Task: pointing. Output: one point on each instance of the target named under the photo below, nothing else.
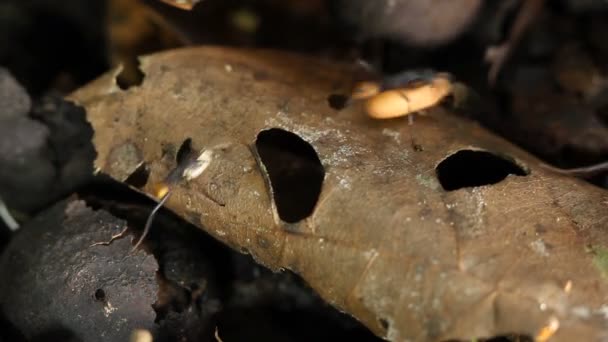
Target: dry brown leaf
(183, 4)
(385, 242)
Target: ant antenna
(150, 219)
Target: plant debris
(436, 230)
(385, 242)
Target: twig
(6, 216)
(498, 55)
(112, 238)
(584, 172)
(217, 335)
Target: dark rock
(190, 291)
(70, 140)
(14, 100)
(45, 157)
(56, 285)
(415, 22)
(26, 173)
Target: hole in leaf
(295, 172)
(383, 323)
(130, 75)
(337, 101)
(184, 151)
(468, 168)
(100, 295)
(500, 338)
(139, 177)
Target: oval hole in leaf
(130, 75)
(295, 172)
(184, 151)
(383, 323)
(337, 101)
(500, 338)
(468, 168)
(100, 295)
(139, 177)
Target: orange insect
(403, 94)
(547, 331)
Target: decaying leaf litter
(548, 98)
(385, 242)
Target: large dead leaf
(385, 242)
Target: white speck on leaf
(108, 309)
(539, 247)
(581, 311)
(392, 134)
(344, 183)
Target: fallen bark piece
(429, 232)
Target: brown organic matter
(385, 242)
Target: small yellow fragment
(141, 335)
(548, 330)
(160, 190)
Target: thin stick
(150, 219)
(6, 216)
(585, 171)
(498, 55)
(217, 335)
(112, 238)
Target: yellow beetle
(403, 94)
